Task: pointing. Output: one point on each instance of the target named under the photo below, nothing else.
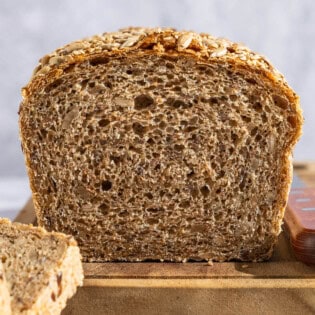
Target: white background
(284, 31)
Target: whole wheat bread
(5, 302)
(42, 269)
(158, 144)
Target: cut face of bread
(5, 302)
(156, 144)
(42, 269)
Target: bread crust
(137, 42)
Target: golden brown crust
(159, 41)
(203, 47)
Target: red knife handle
(299, 223)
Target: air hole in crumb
(170, 130)
(257, 107)
(162, 193)
(115, 159)
(106, 185)
(234, 137)
(152, 221)
(157, 167)
(99, 60)
(177, 89)
(143, 101)
(245, 118)
(194, 120)
(149, 195)
(150, 141)
(179, 147)
(82, 150)
(264, 117)
(155, 210)
(220, 174)
(53, 85)
(190, 128)
(169, 65)
(233, 97)
(213, 100)
(177, 103)
(254, 131)
(191, 173)
(162, 124)
(251, 81)
(243, 183)
(104, 208)
(69, 68)
(43, 133)
(184, 204)
(123, 213)
(233, 123)
(108, 84)
(218, 216)
(103, 122)
(158, 79)
(139, 128)
(205, 190)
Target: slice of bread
(158, 144)
(5, 301)
(42, 269)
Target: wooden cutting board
(281, 286)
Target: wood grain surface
(281, 286)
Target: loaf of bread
(5, 301)
(42, 269)
(154, 144)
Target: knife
(299, 220)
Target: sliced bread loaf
(5, 301)
(158, 144)
(42, 269)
